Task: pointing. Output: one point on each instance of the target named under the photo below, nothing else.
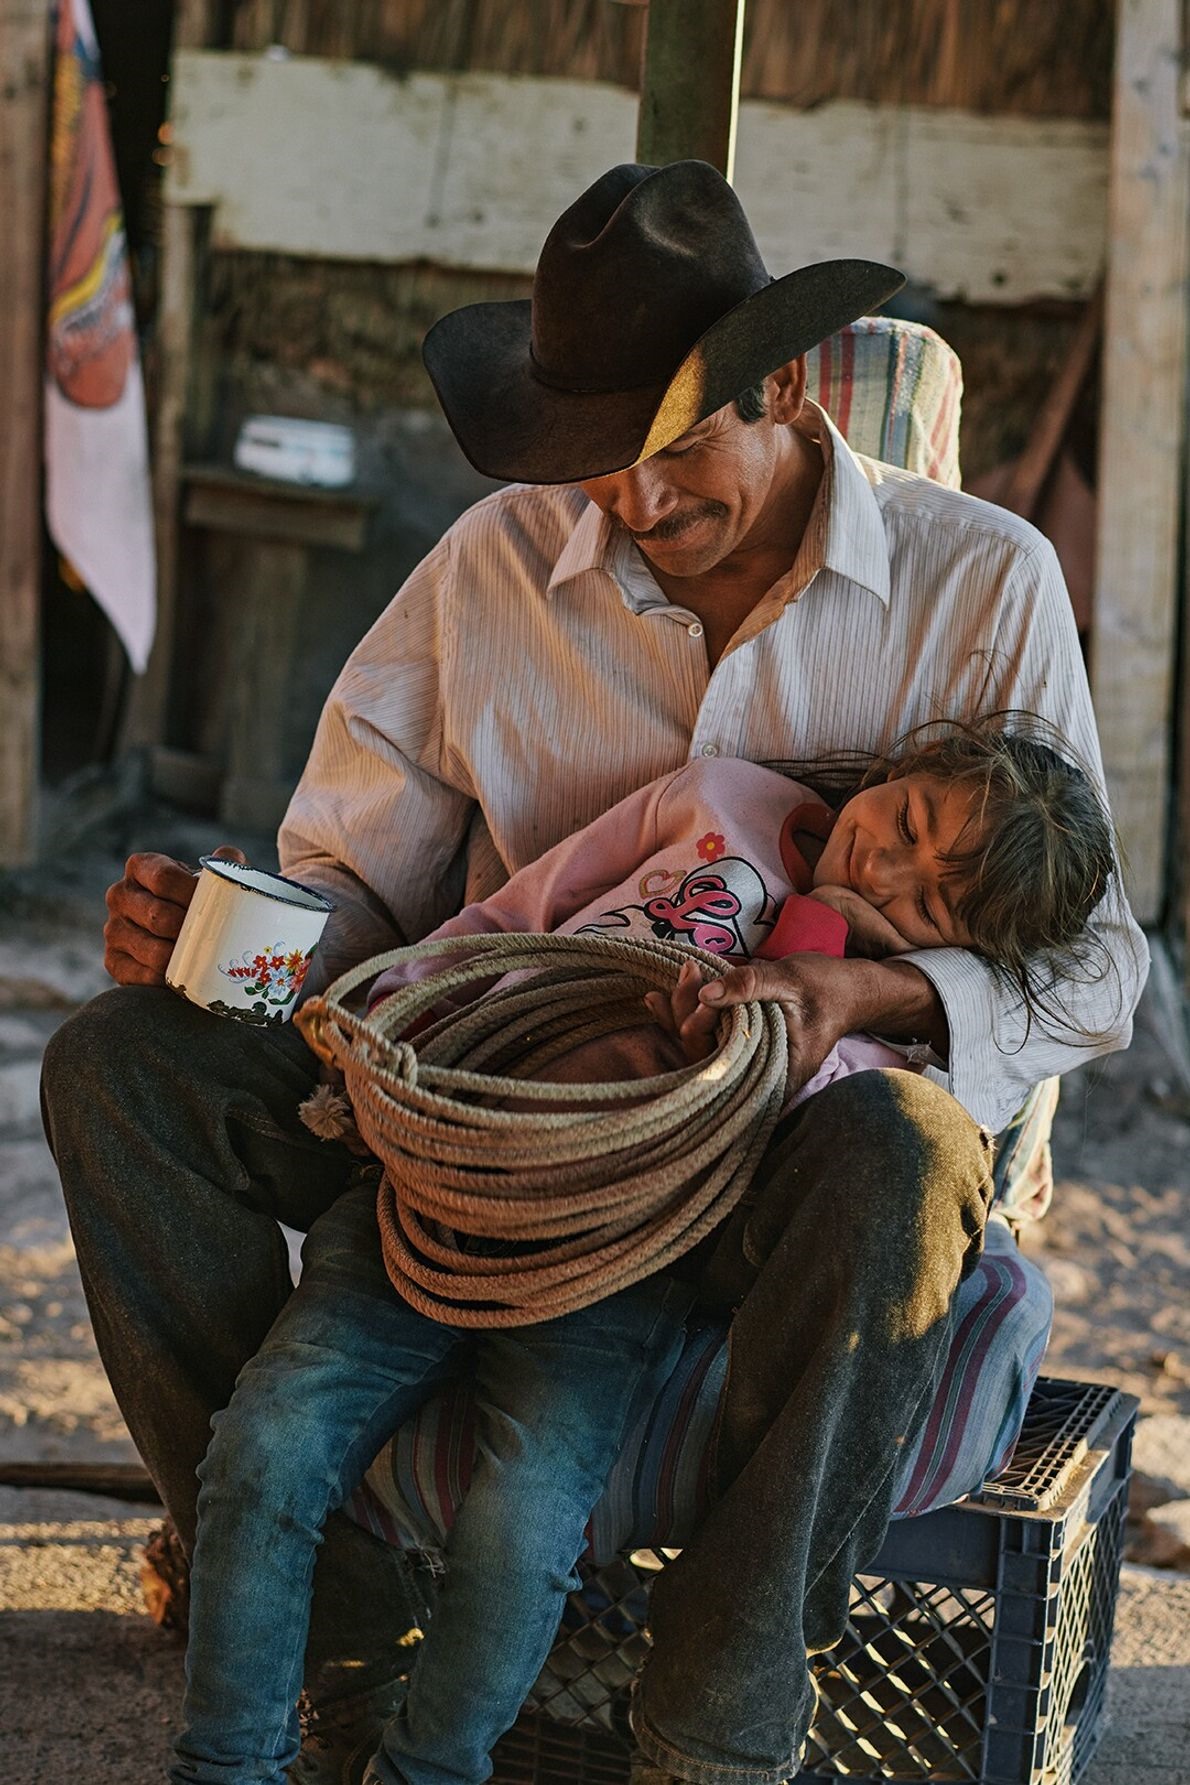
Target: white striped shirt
(531, 673)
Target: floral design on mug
(271, 973)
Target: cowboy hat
(651, 309)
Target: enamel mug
(246, 942)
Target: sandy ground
(1116, 1247)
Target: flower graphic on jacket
(711, 847)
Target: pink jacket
(707, 856)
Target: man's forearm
(895, 999)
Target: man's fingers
(126, 970)
(684, 997)
(698, 1032)
(161, 875)
(661, 1010)
(227, 852)
(129, 903)
(126, 939)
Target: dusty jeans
(178, 1142)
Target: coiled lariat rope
(597, 1197)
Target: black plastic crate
(976, 1647)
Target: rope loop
(493, 1215)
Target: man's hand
(871, 935)
(145, 913)
(821, 1000)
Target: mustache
(676, 524)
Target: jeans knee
(265, 1459)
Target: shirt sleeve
(379, 819)
(997, 1053)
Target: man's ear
(787, 391)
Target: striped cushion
(894, 390)
(660, 1486)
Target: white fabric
(98, 497)
(531, 673)
(99, 510)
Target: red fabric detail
(842, 410)
(819, 821)
(804, 926)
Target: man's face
(712, 493)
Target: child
(973, 838)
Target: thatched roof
(1031, 57)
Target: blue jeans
(346, 1361)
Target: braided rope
(599, 1196)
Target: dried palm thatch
(1021, 56)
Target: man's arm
(823, 1000)
(379, 819)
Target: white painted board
(343, 160)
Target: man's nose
(640, 497)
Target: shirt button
(695, 630)
(708, 750)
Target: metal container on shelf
(297, 451)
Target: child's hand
(872, 936)
(692, 1024)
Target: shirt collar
(588, 547)
(856, 546)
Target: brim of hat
(512, 426)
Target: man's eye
(927, 914)
(677, 449)
(903, 821)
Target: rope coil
(599, 1184)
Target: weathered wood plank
(145, 718)
(24, 112)
(346, 161)
(1141, 437)
(690, 87)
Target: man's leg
(345, 1362)
(179, 1146)
(868, 1208)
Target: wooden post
(690, 86)
(1140, 453)
(183, 232)
(24, 158)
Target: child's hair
(1034, 857)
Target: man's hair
(751, 404)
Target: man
(695, 563)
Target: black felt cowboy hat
(651, 309)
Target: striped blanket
(660, 1486)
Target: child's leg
(345, 1362)
(555, 1402)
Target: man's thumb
(736, 984)
(227, 852)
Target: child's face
(887, 845)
